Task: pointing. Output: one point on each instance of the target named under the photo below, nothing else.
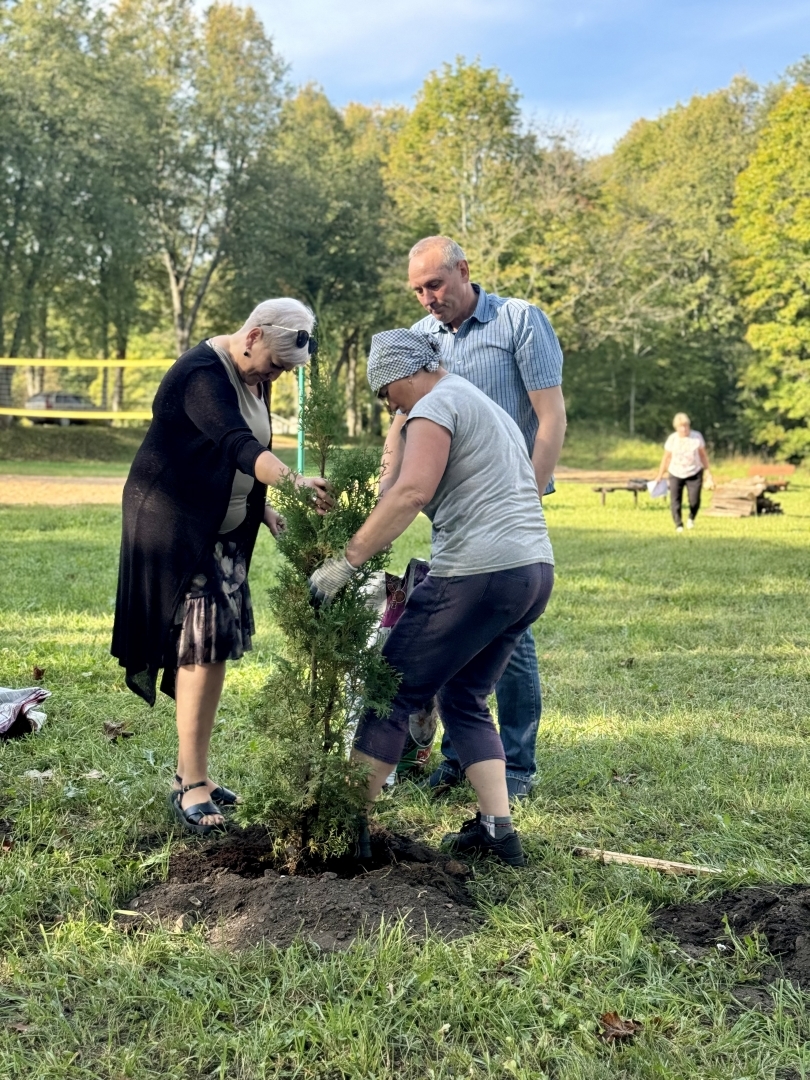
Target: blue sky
(596, 64)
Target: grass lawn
(708, 728)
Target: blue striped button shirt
(505, 348)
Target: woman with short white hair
(193, 504)
(687, 465)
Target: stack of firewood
(744, 498)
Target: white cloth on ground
(14, 702)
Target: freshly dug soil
(234, 887)
(780, 913)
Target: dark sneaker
(473, 839)
(518, 789)
(443, 779)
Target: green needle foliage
(327, 672)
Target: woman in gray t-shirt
(464, 463)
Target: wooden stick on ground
(666, 866)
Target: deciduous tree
(773, 224)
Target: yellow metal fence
(88, 388)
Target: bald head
(439, 275)
(442, 247)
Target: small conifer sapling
(327, 668)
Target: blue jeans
(520, 705)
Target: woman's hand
(321, 492)
(274, 521)
(327, 581)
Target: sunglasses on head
(302, 337)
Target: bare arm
(549, 405)
(422, 466)
(270, 470)
(664, 466)
(392, 453)
(704, 457)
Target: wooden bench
(780, 472)
(630, 485)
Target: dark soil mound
(233, 885)
(780, 913)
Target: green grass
(99, 450)
(100, 468)
(712, 717)
(588, 447)
(82, 442)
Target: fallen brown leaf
(614, 1028)
(628, 662)
(19, 1026)
(629, 778)
(116, 729)
(37, 673)
(6, 845)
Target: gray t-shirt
(486, 512)
(254, 410)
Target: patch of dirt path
(233, 887)
(70, 490)
(780, 913)
(60, 490)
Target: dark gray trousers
(454, 639)
(693, 485)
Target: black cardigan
(175, 499)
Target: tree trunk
(6, 375)
(34, 380)
(35, 376)
(376, 417)
(632, 423)
(351, 391)
(105, 337)
(118, 377)
(118, 390)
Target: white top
(257, 418)
(486, 512)
(685, 457)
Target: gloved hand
(327, 581)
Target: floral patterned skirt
(215, 620)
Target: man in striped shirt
(507, 348)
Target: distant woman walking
(685, 461)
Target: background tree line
(159, 176)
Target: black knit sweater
(175, 499)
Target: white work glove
(327, 581)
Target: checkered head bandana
(396, 354)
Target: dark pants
(693, 484)
(454, 640)
(520, 705)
